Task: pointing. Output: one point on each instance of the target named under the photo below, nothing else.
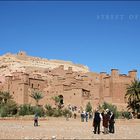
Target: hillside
(23, 63)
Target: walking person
(86, 116)
(36, 120)
(82, 116)
(75, 115)
(90, 115)
(111, 123)
(96, 121)
(67, 117)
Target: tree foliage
(49, 110)
(25, 109)
(57, 100)
(4, 97)
(111, 107)
(37, 95)
(8, 107)
(133, 96)
(88, 107)
(57, 112)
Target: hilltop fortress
(21, 74)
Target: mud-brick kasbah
(21, 74)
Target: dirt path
(62, 129)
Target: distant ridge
(21, 62)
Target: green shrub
(4, 111)
(125, 114)
(26, 109)
(111, 107)
(12, 107)
(66, 112)
(49, 110)
(39, 110)
(88, 107)
(57, 112)
(8, 109)
(48, 107)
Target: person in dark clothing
(82, 116)
(36, 120)
(90, 115)
(74, 115)
(86, 116)
(96, 122)
(106, 119)
(111, 123)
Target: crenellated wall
(21, 77)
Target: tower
(8, 80)
(23, 89)
(114, 73)
(133, 74)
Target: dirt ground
(63, 129)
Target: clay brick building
(22, 74)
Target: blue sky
(101, 35)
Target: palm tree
(133, 96)
(37, 95)
(58, 100)
(5, 97)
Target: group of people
(72, 108)
(84, 116)
(107, 118)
